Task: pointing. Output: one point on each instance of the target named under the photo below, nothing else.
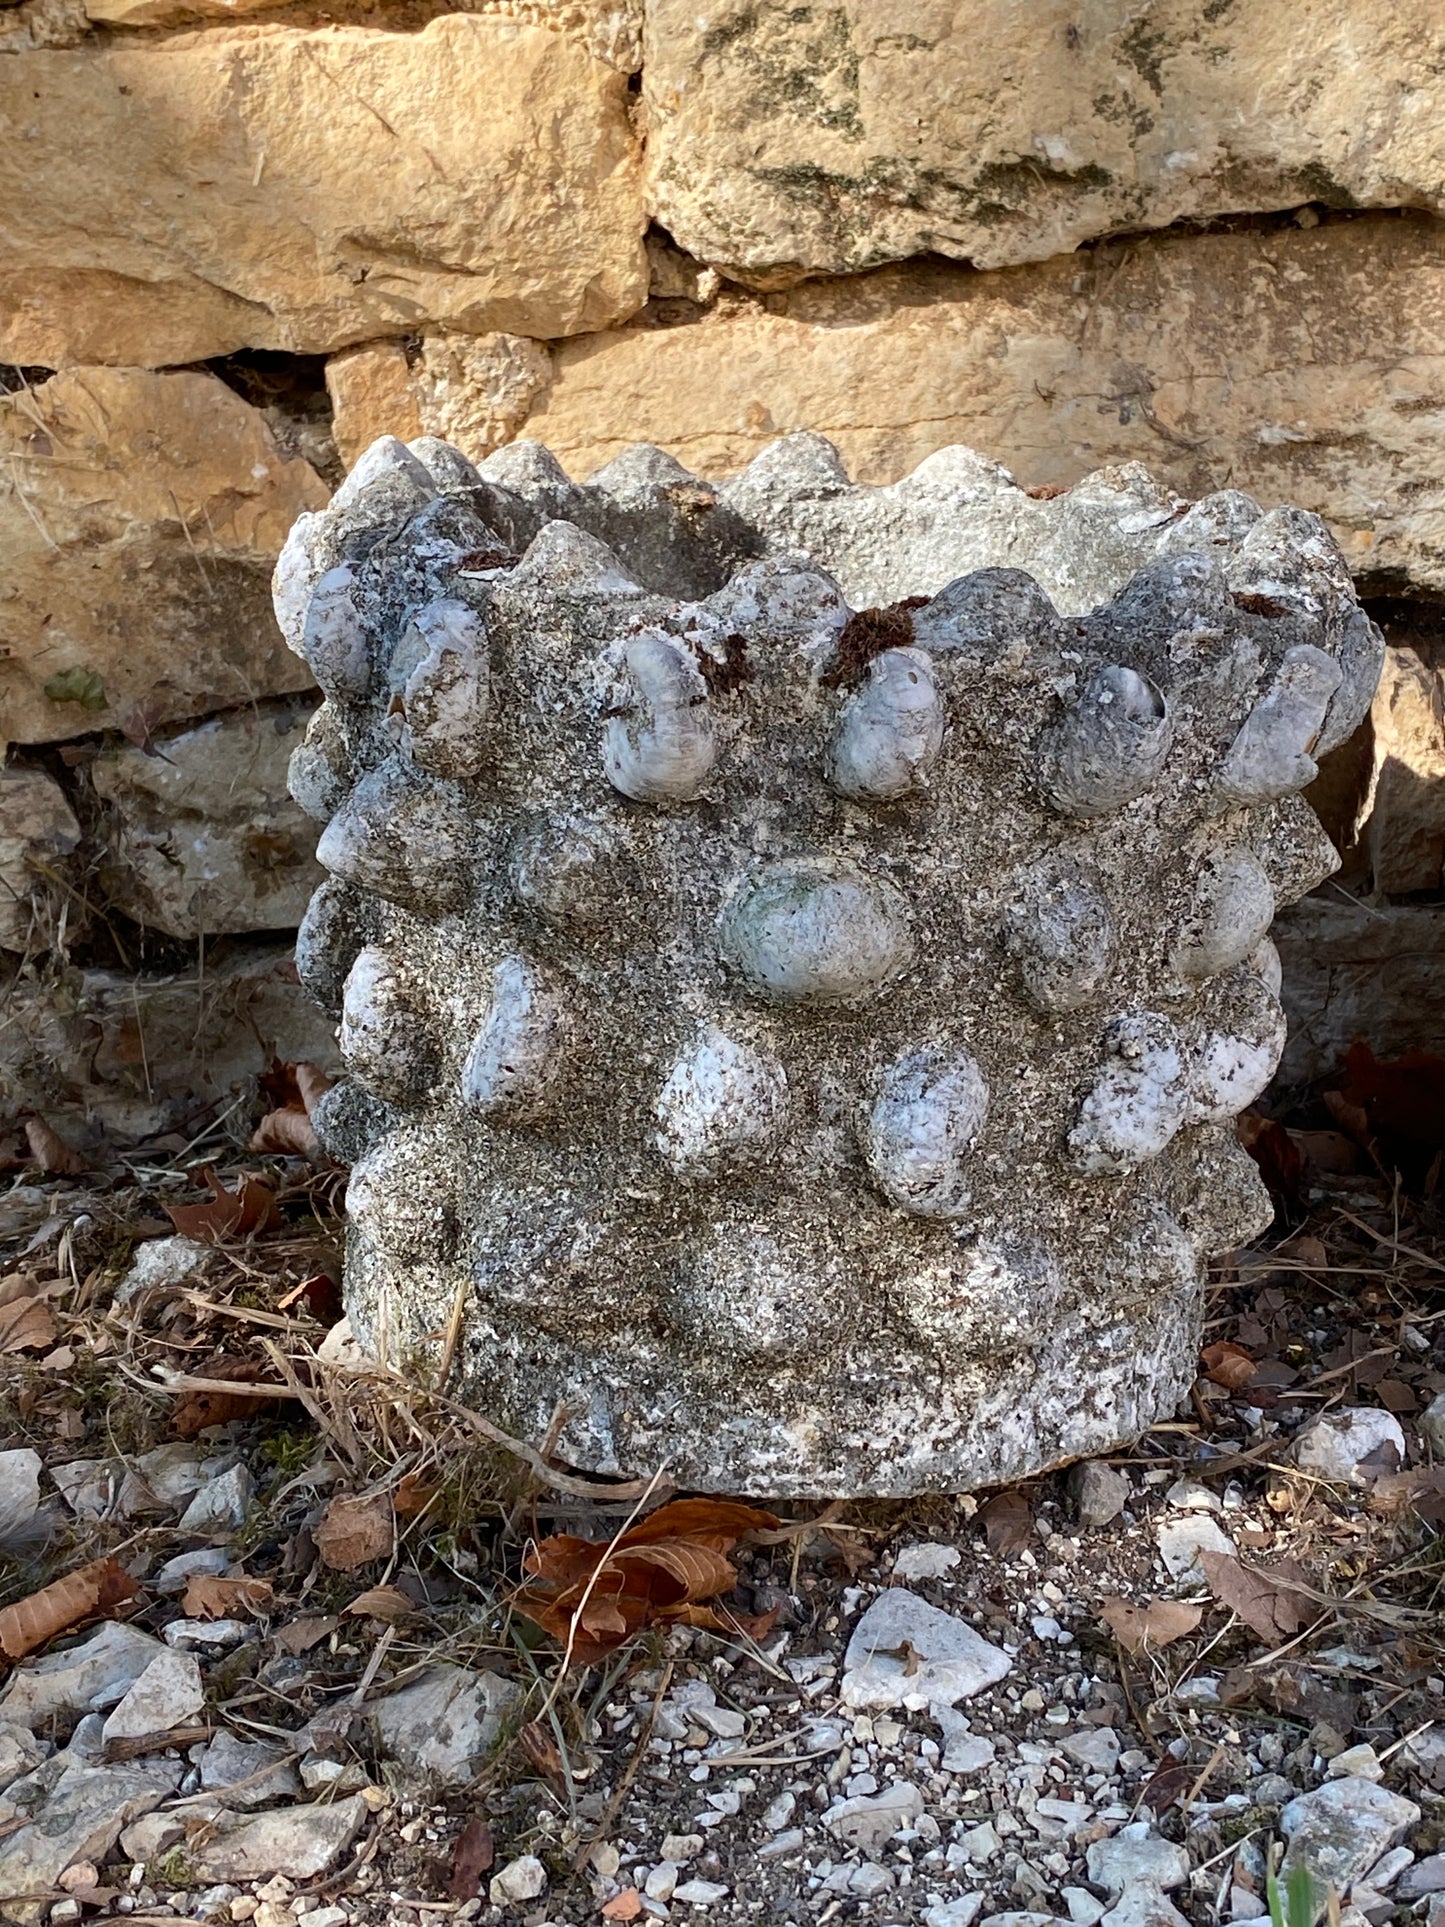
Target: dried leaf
(27, 1325)
(471, 1858)
(539, 1750)
(210, 1596)
(300, 1635)
(387, 1603)
(1169, 1781)
(241, 1213)
(1267, 1601)
(1148, 1628)
(353, 1532)
(198, 1410)
(593, 1595)
(1008, 1522)
(1227, 1364)
(412, 1496)
(51, 1152)
(1278, 1156)
(1403, 1098)
(320, 1294)
(286, 1129)
(286, 1133)
(97, 1588)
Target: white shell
(402, 837)
(387, 457)
(334, 639)
(299, 567)
(1231, 915)
(658, 744)
(930, 1107)
(1110, 746)
(318, 775)
(1271, 756)
(724, 1103)
(446, 696)
(817, 930)
(384, 1039)
(1057, 927)
(520, 1050)
(1230, 1066)
(1137, 1103)
(891, 731)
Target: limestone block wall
(239, 239)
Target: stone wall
(241, 239)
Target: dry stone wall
(243, 239)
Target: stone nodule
(811, 1040)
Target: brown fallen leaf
(298, 1636)
(1169, 1781)
(320, 1294)
(27, 1325)
(471, 1858)
(51, 1152)
(412, 1496)
(241, 1213)
(83, 1594)
(540, 1751)
(1008, 1522)
(352, 1532)
(592, 1595)
(1267, 1601)
(388, 1603)
(1227, 1364)
(197, 1410)
(286, 1129)
(1278, 1156)
(1148, 1628)
(212, 1596)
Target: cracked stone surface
(801, 949)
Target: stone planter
(800, 949)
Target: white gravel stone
(700, 1893)
(1425, 1877)
(962, 1912)
(1099, 1492)
(869, 1822)
(1335, 1445)
(661, 1882)
(165, 1262)
(683, 1847)
(1134, 1857)
(1144, 1907)
(521, 1879)
(928, 1560)
(1084, 1908)
(1355, 1763)
(19, 1493)
(1188, 1495)
(228, 1761)
(1181, 1540)
(1340, 1829)
(168, 1694)
(1096, 1749)
(300, 1842)
(221, 1504)
(902, 1647)
(94, 1675)
(444, 1724)
(1431, 1425)
(175, 1574)
(80, 1820)
(208, 1635)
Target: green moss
(77, 685)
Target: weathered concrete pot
(808, 1042)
